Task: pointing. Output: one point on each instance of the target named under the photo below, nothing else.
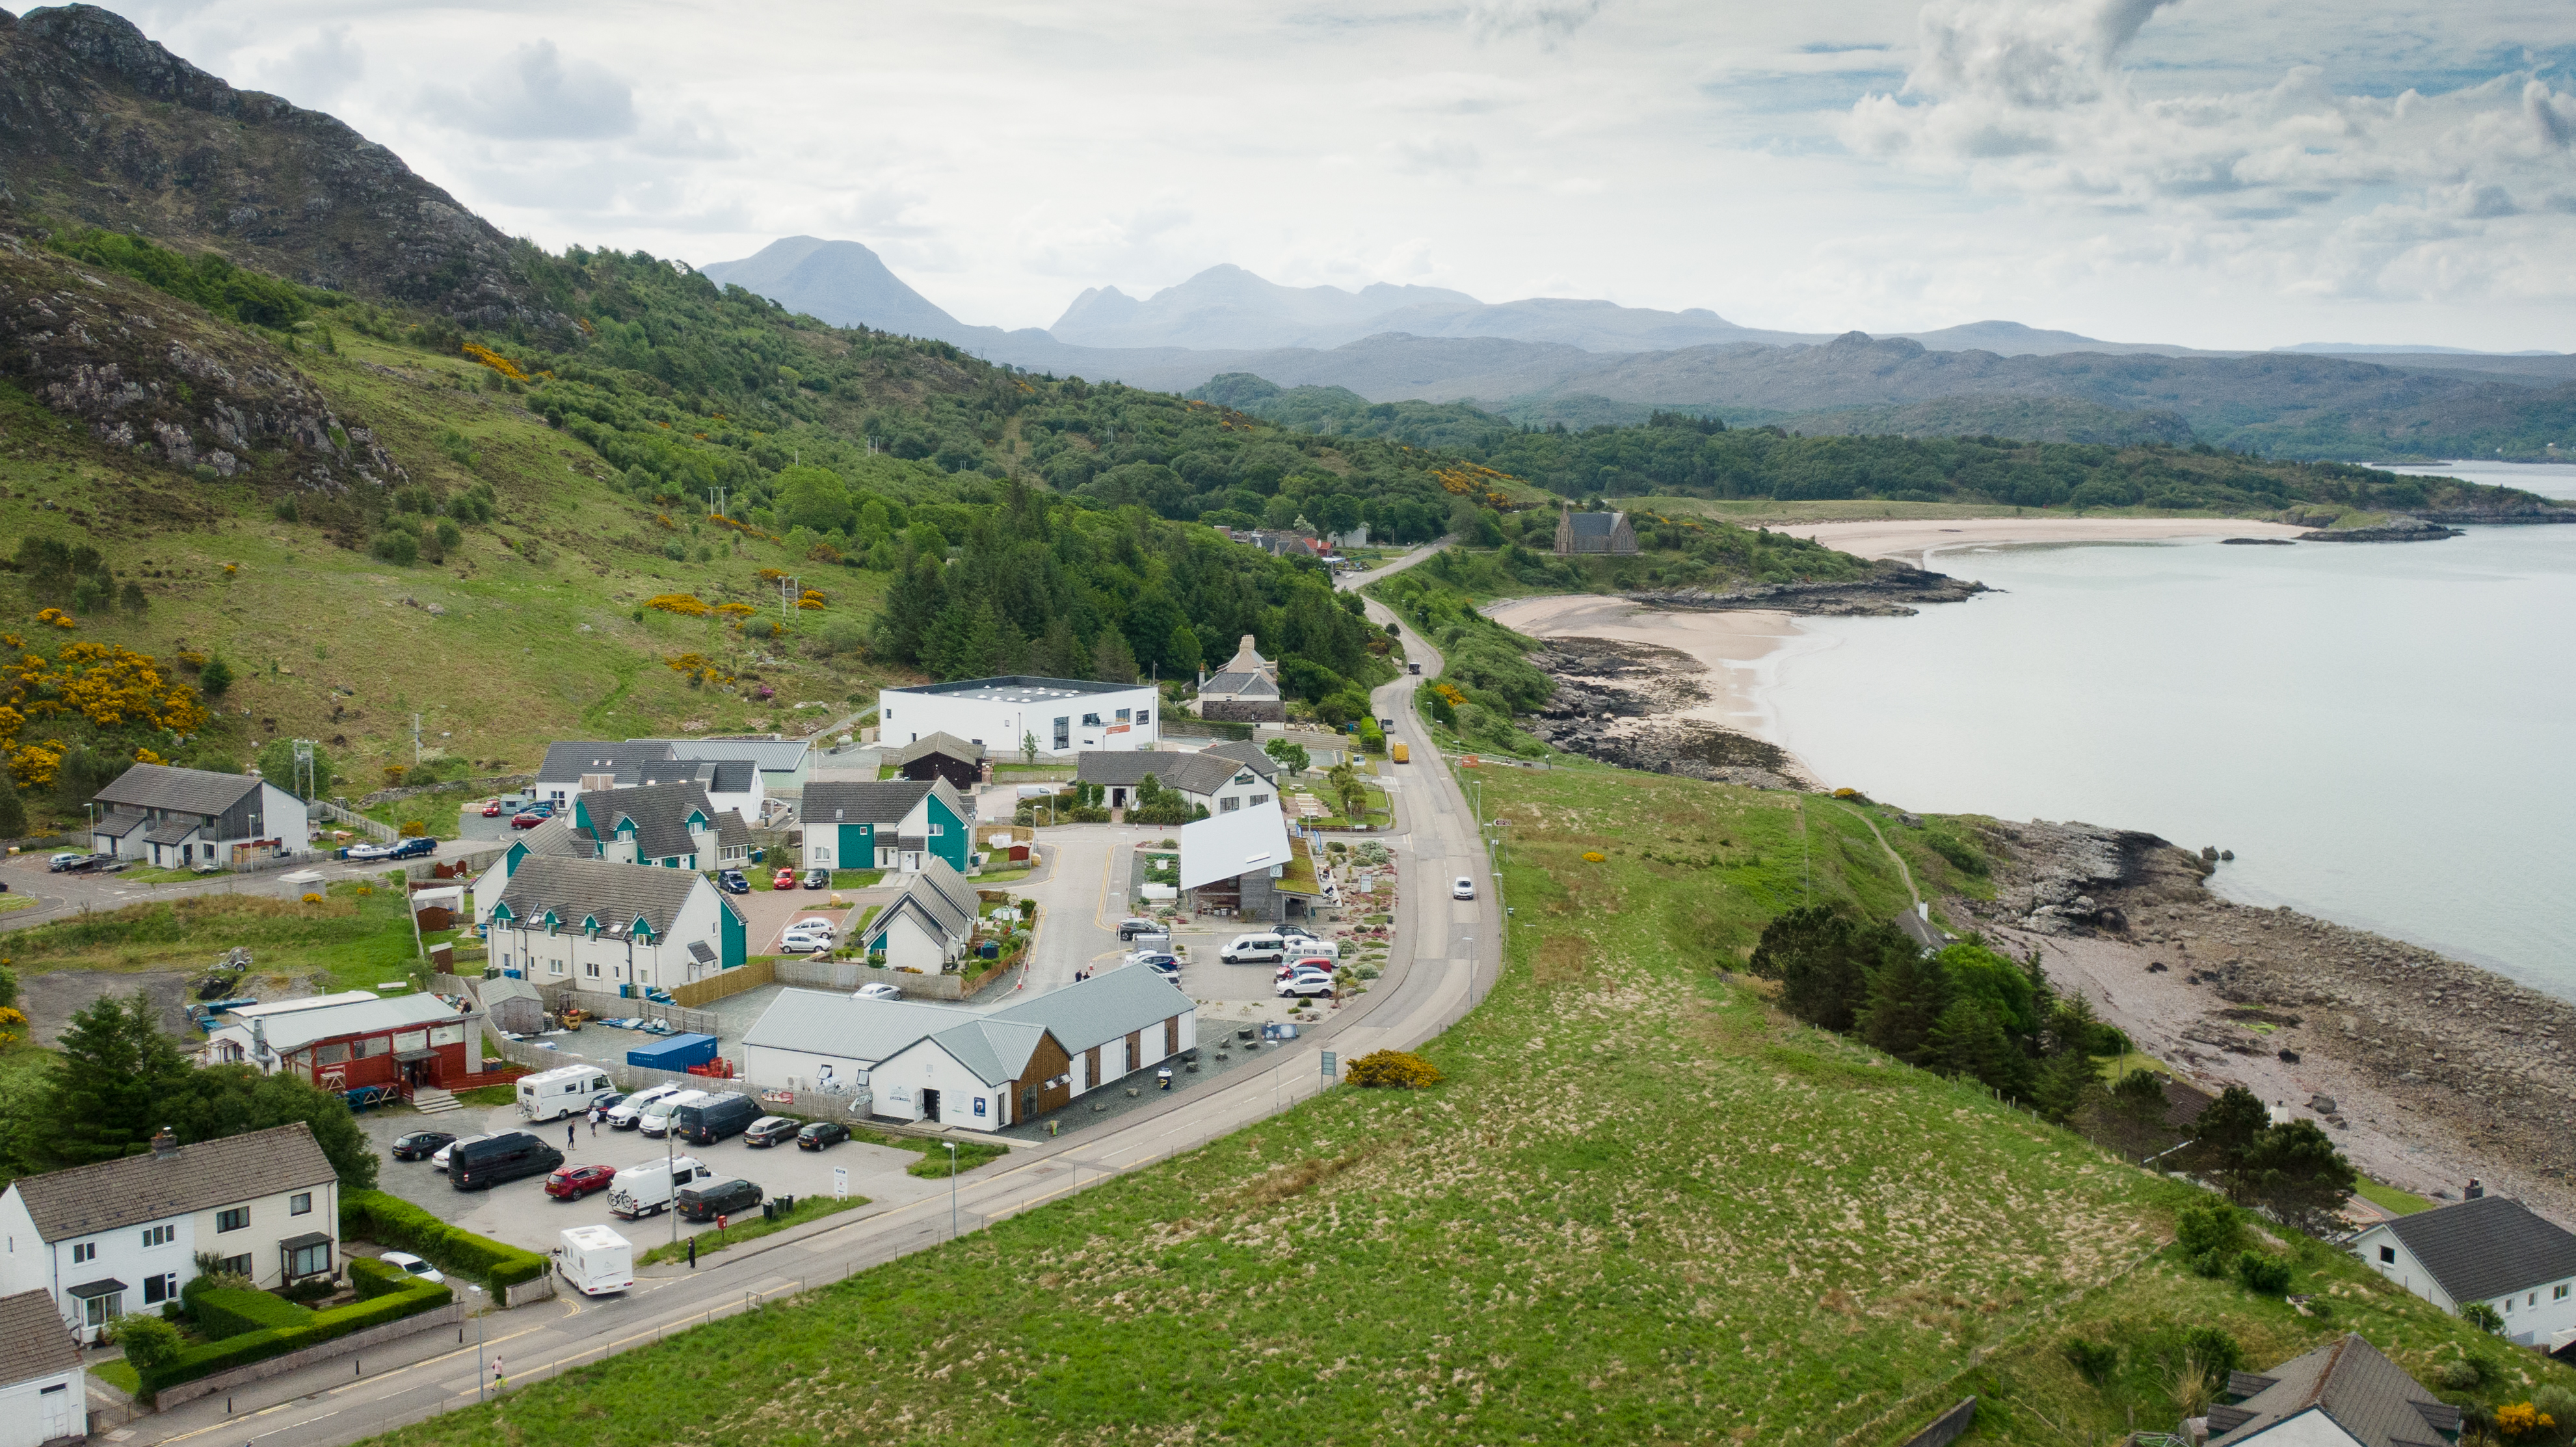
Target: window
(2388, 1253)
(446, 1034)
(164, 1287)
(313, 1260)
(331, 1054)
(590, 968)
(411, 1039)
(937, 829)
(555, 967)
(2558, 1293)
(300, 1204)
(100, 1310)
(1123, 714)
(1257, 800)
(159, 1236)
(361, 1049)
(1228, 805)
(84, 1251)
(1091, 720)
(237, 1265)
(235, 1219)
(1063, 734)
(1143, 718)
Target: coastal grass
(807, 1208)
(1643, 1206)
(2389, 1198)
(357, 935)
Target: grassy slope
(358, 940)
(1641, 1209)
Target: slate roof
(1238, 685)
(181, 791)
(2482, 1249)
(933, 902)
(86, 1200)
(557, 837)
(567, 762)
(293, 1024)
(1594, 524)
(614, 894)
(2367, 1395)
(659, 812)
(116, 825)
(1243, 751)
(770, 755)
(32, 1340)
(882, 801)
(172, 831)
(1108, 1006)
(1199, 773)
(947, 745)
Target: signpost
(840, 1183)
(1331, 1064)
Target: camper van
(656, 1119)
(595, 1260)
(647, 1189)
(554, 1094)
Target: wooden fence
(748, 976)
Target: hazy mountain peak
(841, 282)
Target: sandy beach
(1916, 540)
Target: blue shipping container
(678, 1052)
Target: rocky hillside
(101, 126)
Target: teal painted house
(893, 824)
(556, 919)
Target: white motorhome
(648, 1189)
(554, 1094)
(595, 1260)
(656, 1119)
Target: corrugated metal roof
(815, 1022)
(182, 791)
(2482, 1249)
(86, 1200)
(772, 755)
(293, 1024)
(1227, 845)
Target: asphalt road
(1445, 957)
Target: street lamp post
(952, 1188)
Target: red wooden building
(346, 1041)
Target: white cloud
(536, 95)
(319, 70)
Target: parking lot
(522, 1214)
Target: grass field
(357, 935)
(807, 1208)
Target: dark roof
(1594, 524)
(772, 754)
(614, 894)
(1126, 768)
(172, 831)
(945, 744)
(2486, 1248)
(1239, 685)
(940, 896)
(1245, 752)
(115, 824)
(2363, 1392)
(228, 1170)
(716, 776)
(658, 812)
(2184, 1102)
(33, 1341)
(883, 801)
(182, 791)
(557, 837)
(567, 762)
(1926, 935)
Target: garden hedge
(207, 1358)
(392, 1221)
(230, 1311)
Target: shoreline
(1918, 539)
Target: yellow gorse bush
(687, 605)
(495, 361)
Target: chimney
(2476, 1189)
(165, 1144)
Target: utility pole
(952, 1188)
(415, 741)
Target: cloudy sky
(2192, 171)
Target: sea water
(2381, 732)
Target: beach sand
(1741, 652)
(1916, 539)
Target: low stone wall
(541, 1288)
(354, 1342)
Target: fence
(381, 833)
(619, 1007)
(743, 977)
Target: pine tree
(1966, 1040)
(1058, 654)
(1112, 661)
(1907, 994)
(116, 1079)
(1181, 657)
(13, 815)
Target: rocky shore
(2428, 1071)
(1615, 701)
(1891, 591)
(2398, 529)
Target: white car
(626, 1113)
(410, 1265)
(877, 991)
(1308, 983)
(440, 1160)
(804, 939)
(1465, 888)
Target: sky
(2196, 172)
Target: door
(930, 1105)
(56, 1410)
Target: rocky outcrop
(2398, 529)
(2070, 877)
(1614, 702)
(1891, 591)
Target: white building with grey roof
(1218, 782)
(574, 768)
(1063, 715)
(1246, 690)
(929, 924)
(597, 924)
(174, 818)
(2343, 1394)
(44, 1386)
(2490, 1249)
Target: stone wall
(1242, 710)
(356, 1341)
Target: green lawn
(118, 1374)
(857, 878)
(1643, 1208)
(2391, 1199)
(358, 934)
(807, 1208)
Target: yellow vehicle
(1396, 751)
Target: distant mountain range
(1547, 360)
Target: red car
(529, 820)
(574, 1182)
(492, 809)
(785, 879)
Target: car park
(705, 1122)
(705, 1201)
(820, 1134)
(818, 879)
(878, 991)
(648, 1189)
(1258, 949)
(420, 1144)
(769, 1130)
(783, 879)
(1464, 888)
(410, 1265)
(629, 1113)
(447, 1152)
(732, 882)
(806, 936)
(574, 1182)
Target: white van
(595, 1260)
(1310, 948)
(649, 1188)
(1256, 950)
(554, 1094)
(656, 1119)
(627, 1113)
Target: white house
(174, 817)
(1244, 865)
(123, 1235)
(2487, 1248)
(573, 769)
(784, 763)
(2343, 1394)
(596, 924)
(44, 1389)
(927, 925)
(674, 826)
(1063, 714)
(956, 1066)
(1219, 782)
(897, 824)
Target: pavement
(1444, 959)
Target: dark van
(707, 1200)
(481, 1165)
(710, 1121)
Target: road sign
(1331, 1062)
(840, 1183)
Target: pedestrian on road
(572, 1132)
(594, 1125)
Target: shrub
(2216, 1351)
(398, 547)
(311, 1288)
(2262, 1274)
(2212, 1264)
(2459, 1374)
(230, 1311)
(214, 678)
(148, 1340)
(2482, 1316)
(1393, 1067)
(207, 1358)
(2522, 1419)
(1962, 855)
(2092, 1360)
(2202, 1229)
(391, 1221)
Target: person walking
(693, 1253)
(572, 1133)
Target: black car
(413, 848)
(420, 1145)
(820, 1134)
(769, 1130)
(481, 1165)
(607, 1103)
(707, 1200)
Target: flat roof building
(1061, 715)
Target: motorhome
(570, 1090)
(595, 1260)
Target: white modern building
(595, 924)
(174, 818)
(1064, 715)
(44, 1389)
(927, 925)
(2488, 1248)
(120, 1236)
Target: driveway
(766, 913)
